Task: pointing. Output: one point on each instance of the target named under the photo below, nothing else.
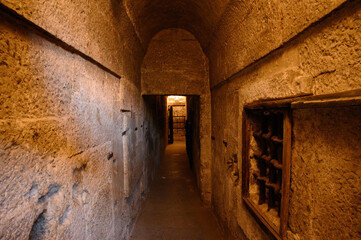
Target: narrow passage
(173, 209)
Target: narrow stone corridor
(173, 208)
(266, 94)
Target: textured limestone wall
(99, 29)
(327, 157)
(175, 65)
(232, 33)
(250, 30)
(324, 202)
(66, 170)
(200, 17)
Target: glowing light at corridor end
(176, 99)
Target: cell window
(266, 166)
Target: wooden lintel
(337, 102)
(347, 98)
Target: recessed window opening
(266, 166)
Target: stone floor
(173, 209)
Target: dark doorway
(177, 116)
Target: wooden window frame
(287, 131)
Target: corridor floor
(173, 209)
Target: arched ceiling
(200, 17)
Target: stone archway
(176, 65)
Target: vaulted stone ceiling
(200, 17)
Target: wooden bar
(245, 154)
(287, 138)
(271, 227)
(274, 152)
(273, 155)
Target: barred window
(266, 166)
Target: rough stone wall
(325, 58)
(327, 157)
(175, 65)
(61, 117)
(199, 17)
(99, 29)
(249, 30)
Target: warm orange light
(176, 99)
